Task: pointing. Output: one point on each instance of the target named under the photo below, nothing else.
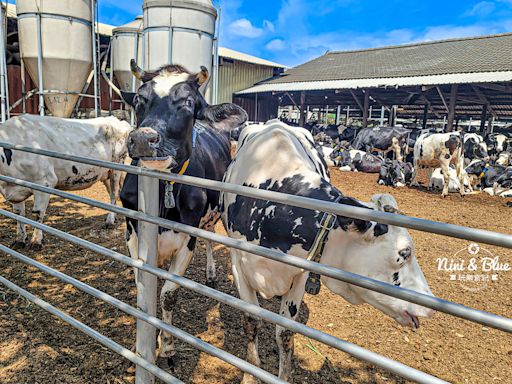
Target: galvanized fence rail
(147, 322)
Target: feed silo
(126, 45)
(178, 32)
(60, 32)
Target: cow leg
(41, 201)
(251, 324)
(112, 185)
(168, 298)
(460, 174)
(445, 167)
(414, 178)
(290, 305)
(211, 270)
(430, 171)
(21, 229)
(132, 243)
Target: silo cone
(66, 48)
(179, 32)
(126, 45)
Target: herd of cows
(178, 131)
(455, 159)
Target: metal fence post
(146, 282)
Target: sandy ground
(35, 347)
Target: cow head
(167, 105)
(394, 173)
(503, 182)
(476, 150)
(381, 252)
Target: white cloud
(451, 31)
(243, 27)
(276, 45)
(481, 9)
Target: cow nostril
(153, 139)
(405, 253)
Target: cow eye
(189, 102)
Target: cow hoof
(35, 247)
(109, 226)
(213, 283)
(167, 363)
(16, 244)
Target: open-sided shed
(467, 78)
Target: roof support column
(483, 117)
(392, 116)
(302, 119)
(348, 115)
(451, 107)
(425, 116)
(338, 115)
(366, 105)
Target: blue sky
(294, 31)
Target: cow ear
(224, 117)
(202, 76)
(385, 203)
(128, 98)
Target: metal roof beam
(442, 98)
(484, 99)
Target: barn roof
(463, 60)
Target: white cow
(434, 150)
(101, 138)
(437, 181)
(282, 158)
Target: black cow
(395, 173)
(178, 131)
(484, 174)
(504, 182)
(382, 139)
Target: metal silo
(178, 32)
(58, 31)
(126, 45)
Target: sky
(292, 32)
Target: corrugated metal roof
(477, 54)
(456, 78)
(103, 29)
(235, 55)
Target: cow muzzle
(143, 143)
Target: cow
(497, 143)
(474, 148)
(483, 174)
(382, 139)
(503, 184)
(395, 173)
(178, 132)
(280, 158)
(437, 181)
(103, 138)
(433, 150)
(353, 160)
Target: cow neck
(484, 171)
(315, 253)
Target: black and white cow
(395, 173)
(280, 158)
(382, 139)
(178, 131)
(475, 148)
(483, 175)
(433, 150)
(497, 143)
(503, 184)
(102, 138)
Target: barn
(446, 81)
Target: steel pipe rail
(176, 332)
(356, 351)
(458, 310)
(466, 233)
(102, 339)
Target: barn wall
(236, 75)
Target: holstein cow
(178, 131)
(395, 173)
(497, 143)
(503, 184)
(280, 158)
(474, 148)
(353, 160)
(483, 174)
(101, 138)
(382, 139)
(437, 181)
(439, 150)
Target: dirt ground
(35, 347)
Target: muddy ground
(35, 347)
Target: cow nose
(143, 142)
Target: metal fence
(147, 322)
